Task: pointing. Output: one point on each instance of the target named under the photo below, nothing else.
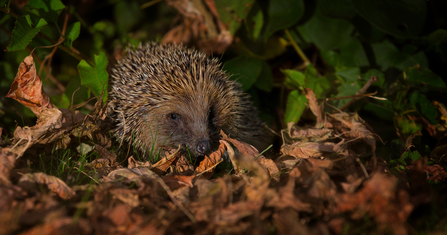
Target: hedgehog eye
(173, 116)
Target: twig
(148, 4)
(297, 48)
(347, 97)
(72, 51)
(371, 80)
(363, 167)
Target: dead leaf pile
(317, 186)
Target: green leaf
(407, 60)
(404, 18)
(318, 84)
(332, 58)
(24, 31)
(424, 76)
(95, 78)
(424, 106)
(411, 156)
(48, 9)
(353, 54)
(283, 14)
(439, 39)
(342, 9)
(347, 89)
(233, 12)
(327, 33)
(244, 70)
(72, 33)
(349, 74)
(4, 5)
(258, 22)
(380, 111)
(408, 127)
(127, 14)
(265, 79)
(295, 107)
(294, 79)
(386, 54)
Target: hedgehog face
(192, 126)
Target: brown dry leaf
(232, 156)
(309, 134)
(62, 226)
(353, 127)
(45, 131)
(312, 149)
(286, 198)
(313, 105)
(251, 151)
(312, 176)
(104, 153)
(435, 172)
(29, 181)
(183, 166)
(132, 163)
(380, 199)
(244, 148)
(161, 166)
(287, 162)
(259, 178)
(287, 222)
(128, 196)
(271, 167)
(239, 210)
(133, 174)
(27, 88)
(209, 163)
(7, 161)
(201, 24)
(178, 181)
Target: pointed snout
(204, 147)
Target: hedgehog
(171, 96)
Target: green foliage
(95, 77)
(72, 33)
(295, 106)
(24, 32)
(244, 70)
(47, 9)
(283, 14)
(233, 12)
(403, 18)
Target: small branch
(371, 80)
(72, 51)
(297, 48)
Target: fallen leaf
(7, 162)
(201, 24)
(55, 184)
(178, 181)
(208, 164)
(27, 88)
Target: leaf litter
(317, 185)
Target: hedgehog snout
(204, 146)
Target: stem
(371, 80)
(297, 48)
(70, 51)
